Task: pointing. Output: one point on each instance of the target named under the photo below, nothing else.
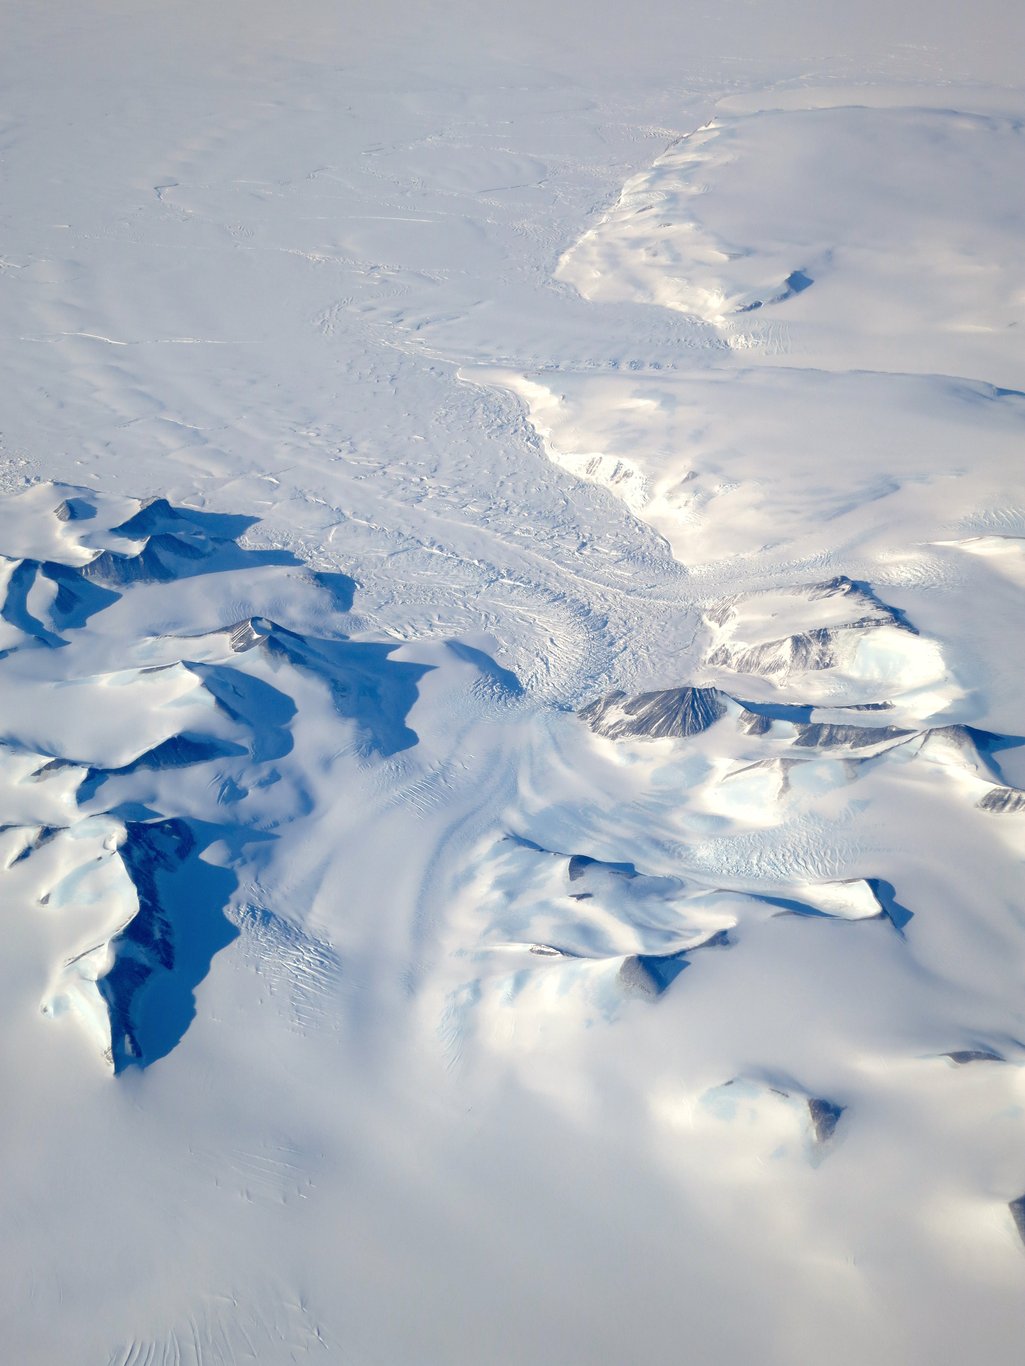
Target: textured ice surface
(383, 390)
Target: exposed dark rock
(825, 1115)
(649, 974)
(74, 510)
(579, 864)
(818, 648)
(1003, 800)
(821, 735)
(244, 635)
(810, 650)
(672, 714)
(1017, 1208)
(753, 723)
(842, 586)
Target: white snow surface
(512, 797)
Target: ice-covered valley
(512, 750)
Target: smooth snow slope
(512, 543)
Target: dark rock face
(810, 650)
(673, 714)
(244, 635)
(1003, 800)
(821, 647)
(825, 1115)
(1017, 1208)
(649, 975)
(824, 736)
(754, 723)
(858, 589)
(74, 510)
(795, 283)
(966, 1055)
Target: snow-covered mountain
(512, 753)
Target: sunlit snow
(512, 752)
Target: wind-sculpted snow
(529, 801)
(730, 854)
(105, 761)
(722, 467)
(852, 649)
(582, 935)
(133, 990)
(712, 229)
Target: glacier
(512, 752)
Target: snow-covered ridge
(834, 223)
(115, 782)
(699, 761)
(611, 904)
